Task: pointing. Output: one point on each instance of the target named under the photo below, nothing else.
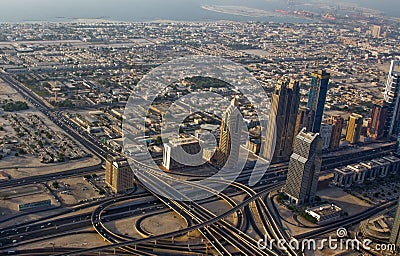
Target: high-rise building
(337, 123)
(398, 145)
(376, 126)
(376, 31)
(229, 141)
(317, 98)
(395, 234)
(284, 104)
(354, 128)
(304, 168)
(175, 151)
(119, 175)
(302, 120)
(326, 133)
(392, 98)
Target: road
(215, 229)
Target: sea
(150, 10)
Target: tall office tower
(317, 98)
(337, 123)
(354, 128)
(376, 126)
(391, 100)
(119, 175)
(376, 31)
(395, 234)
(326, 133)
(229, 141)
(302, 119)
(285, 104)
(398, 145)
(304, 168)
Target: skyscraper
(354, 128)
(285, 104)
(337, 123)
(317, 98)
(376, 126)
(395, 234)
(376, 31)
(304, 168)
(391, 99)
(229, 141)
(302, 120)
(326, 133)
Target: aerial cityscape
(200, 128)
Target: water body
(149, 10)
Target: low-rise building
(343, 177)
(325, 213)
(359, 171)
(372, 168)
(394, 164)
(383, 168)
(176, 151)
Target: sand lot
(163, 223)
(25, 166)
(8, 92)
(85, 240)
(349, 203)
(12, 197)
(75, 190)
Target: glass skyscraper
(392, 99)
(317, 98)
(304, 167)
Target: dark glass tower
(285, 105)
(317, 98)
(304, 168)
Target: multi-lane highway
(224, 237)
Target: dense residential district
(68, 186)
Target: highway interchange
(224, 237)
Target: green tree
(55, 184)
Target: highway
(214, 228)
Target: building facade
(119, 175)
(302, 119)
(346, 176)
(391, 100)
(326, 133)
(317, 98)
(325, 213)
(337, 123)
(175, 153)
(376, 126)
(284, 105)
(230, 134)
(343, 177)
(304, 168)
(354, 128)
